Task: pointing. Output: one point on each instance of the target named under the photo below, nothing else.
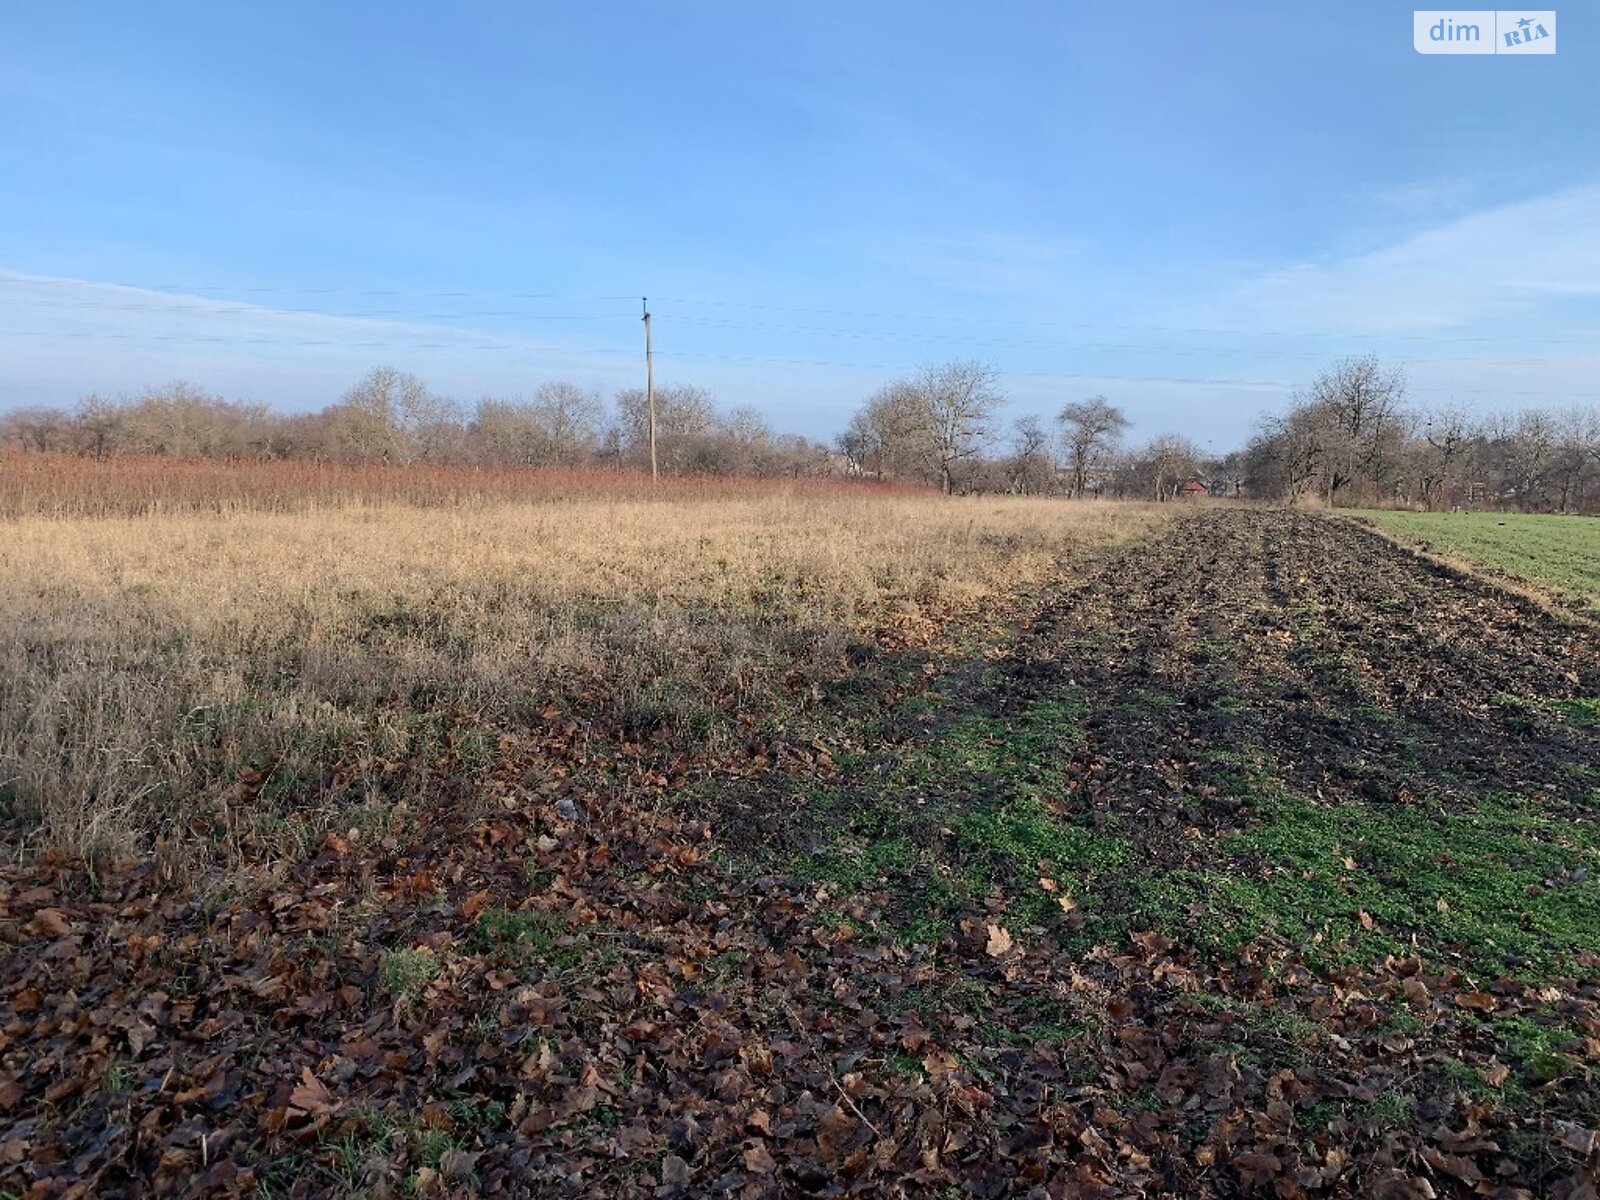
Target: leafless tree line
(392, 416)
(1352, 438)
(939, 426)
(1348, 438)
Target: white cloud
(1445, 196)
(64, 337)
(1502, 262)
(1004, 264)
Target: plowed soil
(1354, 669)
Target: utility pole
(650, 387)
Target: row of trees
(1352, 438)
(1348, 438)
(391, 416)
(939, 426)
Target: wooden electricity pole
(650, 387)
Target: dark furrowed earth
(1259, 857)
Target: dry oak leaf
(758, 1159)
(940, 1063)
(311, 1097)
(1000, 942)
(458, 1164)
(1461, 1167)
(49, 922)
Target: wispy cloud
(1488, 265)
(991, 263)
(62, 337)
(1442, 197)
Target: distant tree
(1287, 455)
(1091, 432)
(181, 419)
(888, 434)
(1448, 437)
(1164, 465)
(571, 418)
(97, 425)
(506, 431)
(1349, 426)
(1527, 444)
(36, 429)
(926, 426)
(1358, 402)
(562, 424)
(954, 412)
(684, 415)
(858, 446)
(389, 416)
(1570, 464)
(1030, 469)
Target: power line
(204, 306)
(207, 308)
(21, 280)
(245, 339)
(681, 319)
(200, 307)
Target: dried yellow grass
(147, 665)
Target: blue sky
(1186, 211)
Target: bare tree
(97, 425)
(956, 404)
(36, 429)
(561, 424)
(1091, 431)
(684, 415)
(181, 419)
(571, 418)
(925, 426)
(1287, 455)
(1569, 470)
(1030, 468)
(1527, 443)
(1163, 465)
(1449, 434)
(1359, 403)
(1591, 434)
(391, 415)
(889, 432)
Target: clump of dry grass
(213, 681)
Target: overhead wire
(202, 307)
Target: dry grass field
(211, 661)
(518, 834)
(71, 485)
